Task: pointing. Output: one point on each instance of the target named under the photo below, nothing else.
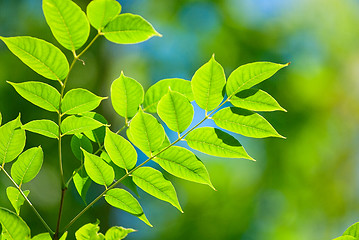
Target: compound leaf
(89, 232)
(244, 122)
(159, 89)
(13, 227)
(117, 233)
(82, 183)
(27, 166)
(40, 94)
(215, 142)
(176, 111)
(79, 141)
(41, 56)
(42, 236)
(98, 170)
(79, 101)
(152, 181)
(68, 23)
(44, 127)
(353, 230)
(15, 197)
(128, 28)
(97, 135)
(207, 85)
(101, 12)
(78, 124)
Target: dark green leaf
(79, 101)
(15, 197)
(44, 127)
(101, 12)
(98, 170)
(79, 141)
(13, 227)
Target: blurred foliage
(305, 187)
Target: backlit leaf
(353, 230)
(117, 233)
(13, 227)
(0, 118)
(64, 236)
(153, 182)
(128, 28)
(44, 127)
(79, 101)
(78, 124)
(15, 197)
(40, 94)
(346, 237)
(67, 22)
(79, 141)
(101, 12)
(41, 56)
(89, 232)
(82, 183)
(42, 236)
(98, 170)
(97, 135)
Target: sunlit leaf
(42, 236)
(79, 141)
(153, 182)
(97, 135)
(40, 94)
(248, 75)
(255, 100)
(12, 140)
(15, 197)
(13, 227)
(79, 101)
(82, 183)
(89, 232)
(27, 166)
(346, 237)
(159, 89)
(215, 142)
(64, 236)
(244, 122)
(41, 56)
(176, 111)
(79, 124)
(353, 230)
(128, 28)
(184, 164)
(67, 22)
(98, 170)
(126, 96)
(101, 12)
(207, 85)
(44, 127)
(0, 118)
(117, 233)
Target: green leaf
(0, 118)
(27, 166)
(146, 132)
(121, 152)
(12, 140)
(64, 236)
(89, 232)
(176, 111)
(82, 183)
(117, 233)
(97, 135)
(244, 122)
(13, 227)
(79, 141)
(44, 127)
(79, 101)
(128, 29)
(346, 237)
(41, 56)
(67, 22)
(15, 197)
(248, 75)
(42, 236)
(207, 85)
(40, 94)
(153, 182)
(126, 96)
(353, 230)
(78, 124)
(159, 89)
(123, 200)
(215, 142)
(255, 100)
(101, 12)
(182, 163)
(98, 170)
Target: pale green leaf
(346, 237)
(13, 227)
(255, 100)
(176, 111)
(97, 135)
(128, 28)
(12, 140)
(244, 122)
(184, 164)
(15, 197)
(248, 75)
(79, 141)
(117, 233)
(146, 132)
(42, 236)
(0, 118)
(353, 230)
(89, 232)
(126, 96)
(64, 236)
(153, 182)
(215, 142)
(67, 22)
(28, 165)
(40, 94)
(101, 12)
(98, 170)
(78, 124)
(123, 200)
(41, 56)
(159, 89)
(82, 183)
(121, 152)
(207, 85)
(44, 127)
(79, 101)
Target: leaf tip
(287, 64)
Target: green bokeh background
(304, 187)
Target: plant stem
(28, 201)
